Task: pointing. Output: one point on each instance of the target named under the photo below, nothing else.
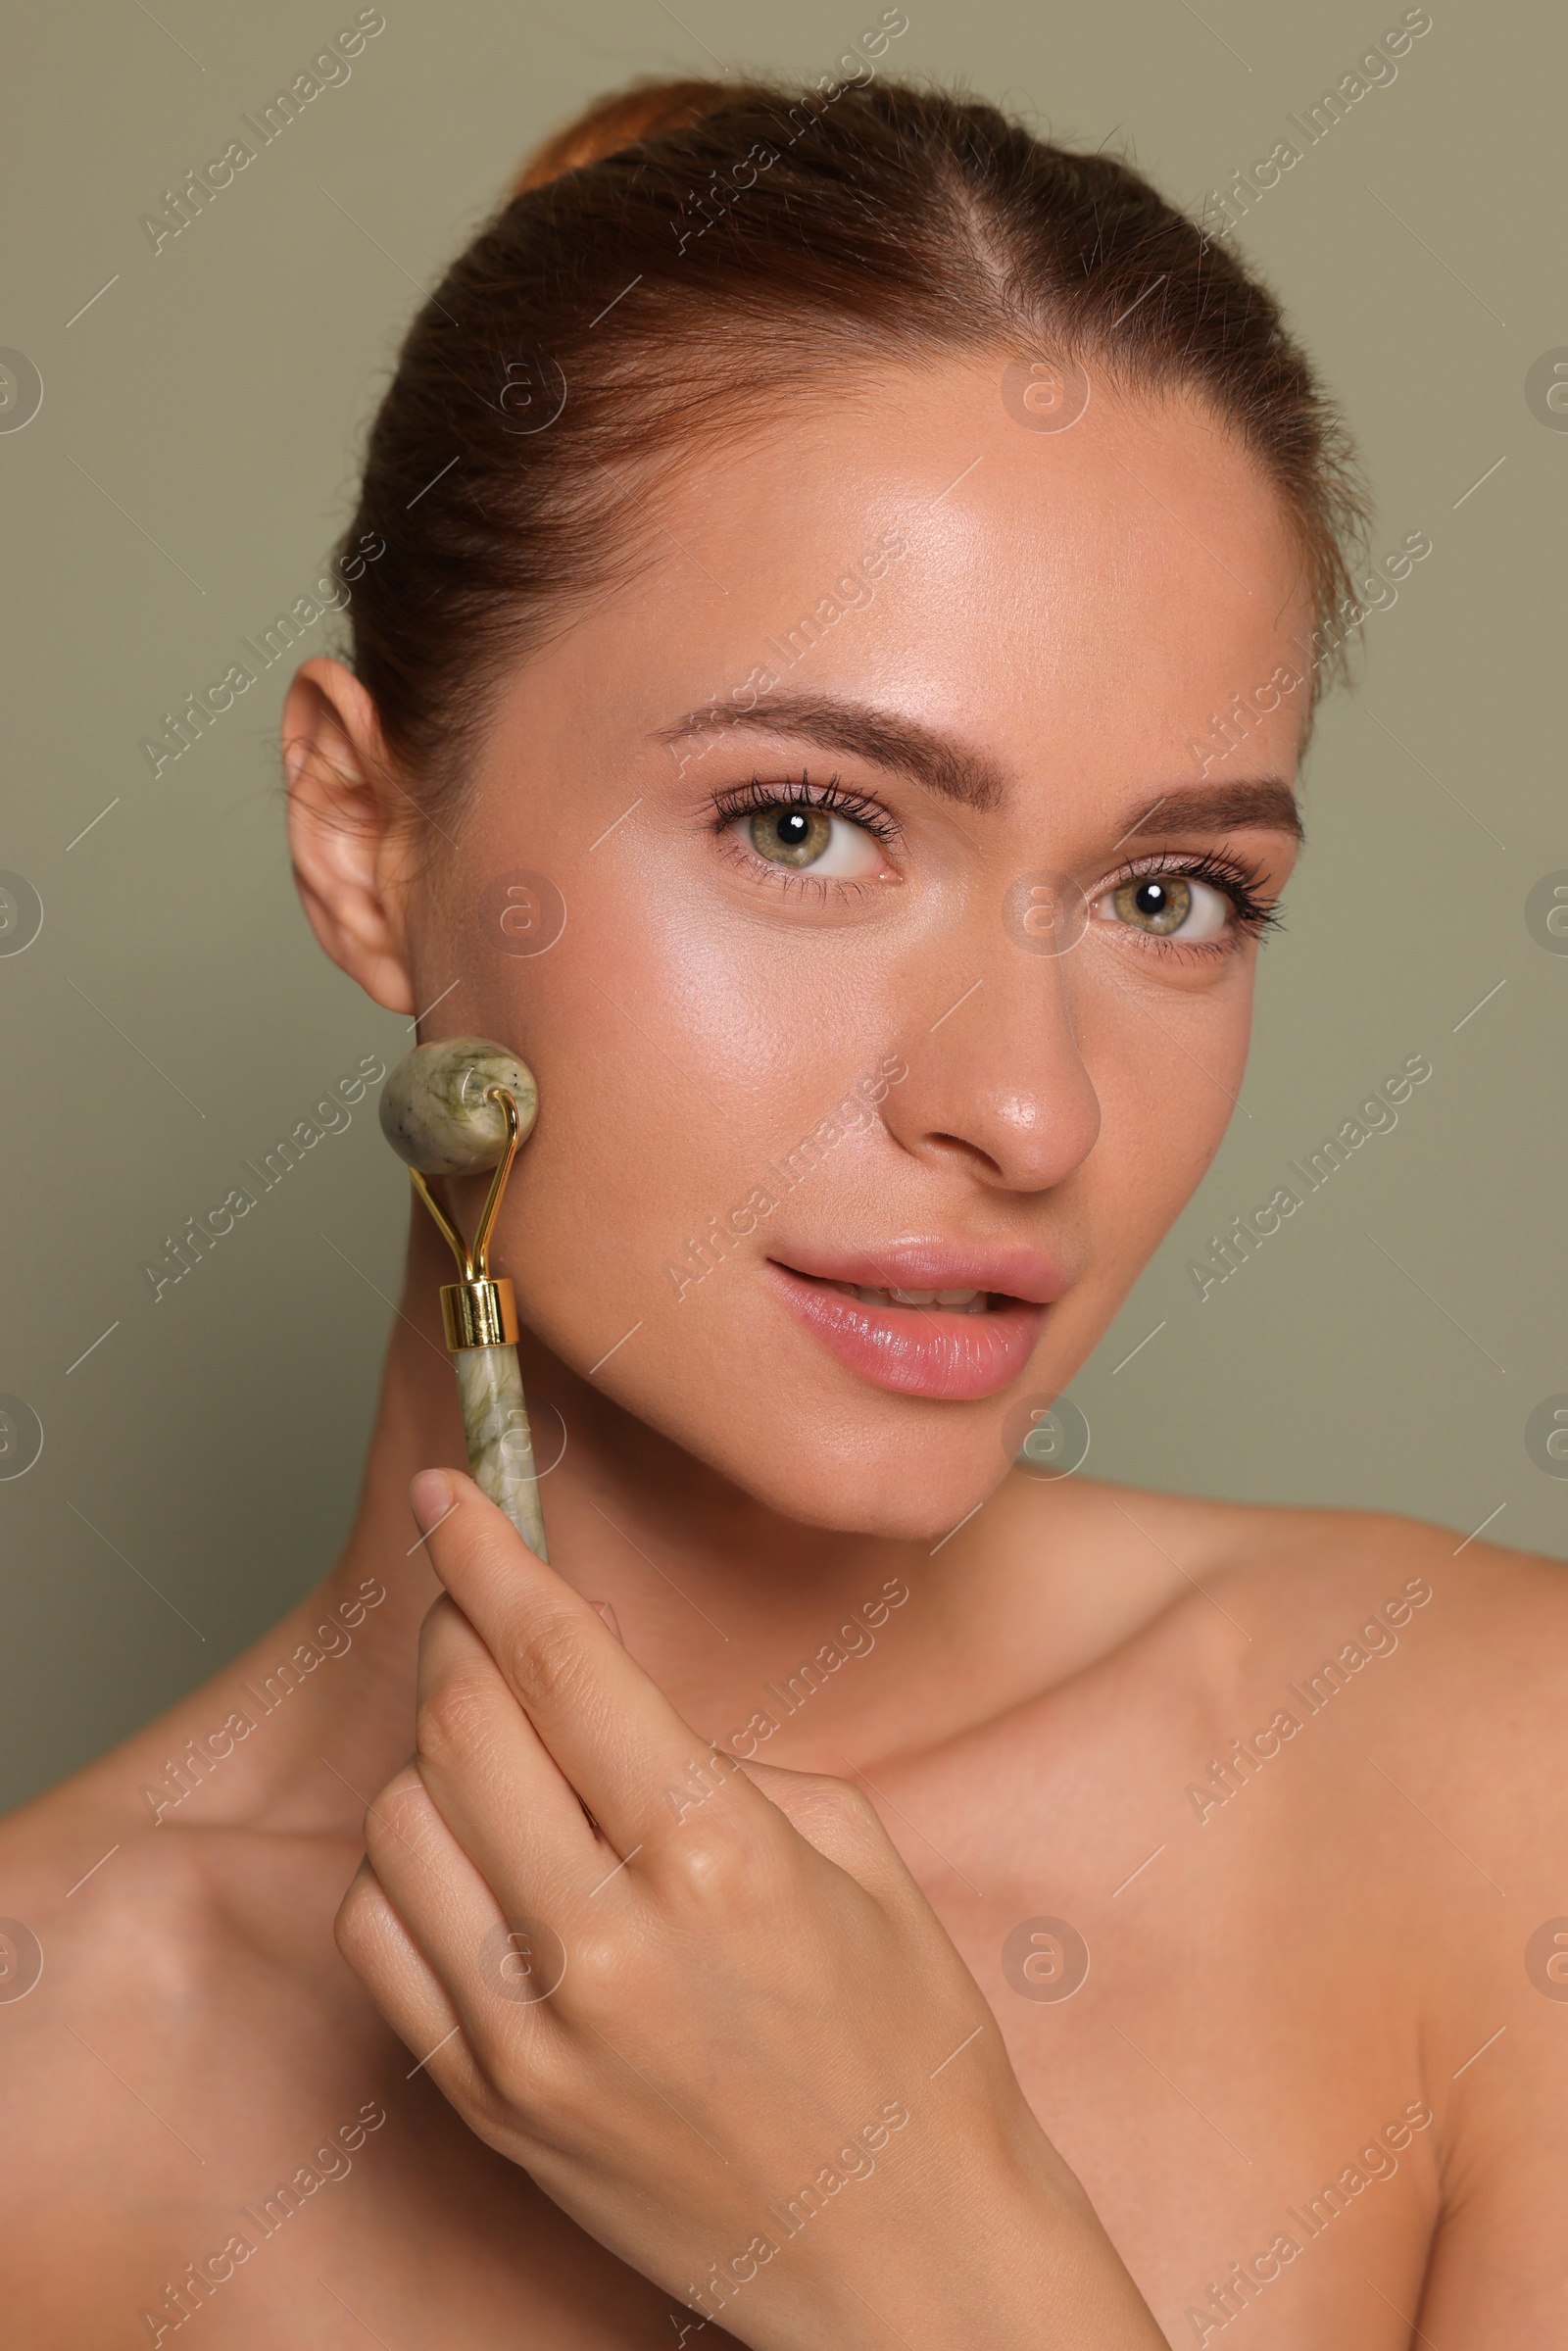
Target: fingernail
(609, 1614)
(432, 1497)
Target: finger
(378, 1947)
(843, 1824)
(496, 1972)
(493, 1780)
(495, 1975)
(611, 1729)
(442, 1899)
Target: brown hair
(691, 258)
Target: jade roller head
(441, 1109)
(459, 1107)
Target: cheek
(1167, 1065)
(691, 1038)
(680, 1050)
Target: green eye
(796, 837)
(1168, 905)
(1153, 904)
(792, 836)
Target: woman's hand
(702, 2003)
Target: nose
(996, 1079)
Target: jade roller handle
(500, 1442)
(458, 1107)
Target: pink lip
(924, 1350)
(1012, 1269)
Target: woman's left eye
(802, 839)
(1172, 905)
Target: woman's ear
(343, 838)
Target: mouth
(945, 1338)
(955, 1301)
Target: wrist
(987, 2246)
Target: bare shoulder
(125, 1943)
(1365, 1585)
(1378, 1707)
(53, 1855)
(1329, 1748)
(1486, 1627)
(201, 2091)
(1352, 1660)
(1225, 1592)
(1420, 1678)
(161, 1982)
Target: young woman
(861, 1893)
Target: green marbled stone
(434, 1107)
(495, 1422)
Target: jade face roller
(456, 1107)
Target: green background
(189, 468)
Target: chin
(831, 1453)
(899, 1492)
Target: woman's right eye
(801, 839)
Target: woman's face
(903, 990)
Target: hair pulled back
(689, 260)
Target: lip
(925, 1351)
(1010, 1268)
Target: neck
(720, 1599)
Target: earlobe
(343, 839)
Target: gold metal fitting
(479, 1313)
(478, 1310)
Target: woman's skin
(1288, 1989)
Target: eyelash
(1255, 912)
(754, 799)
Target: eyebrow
(1267, 805)
(956, 771)
(949, 768)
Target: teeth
(965, 1301)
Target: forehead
(1084, 598)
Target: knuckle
(491, 2090)
(389, 1830)
(547, 1667)
(358, 1927)
(530, 2094)
(843, 1811)
(715, 1863)
(455, 1716)
(603, 1972)
(398, 1822)
(851, 1804)
(864, 1823)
